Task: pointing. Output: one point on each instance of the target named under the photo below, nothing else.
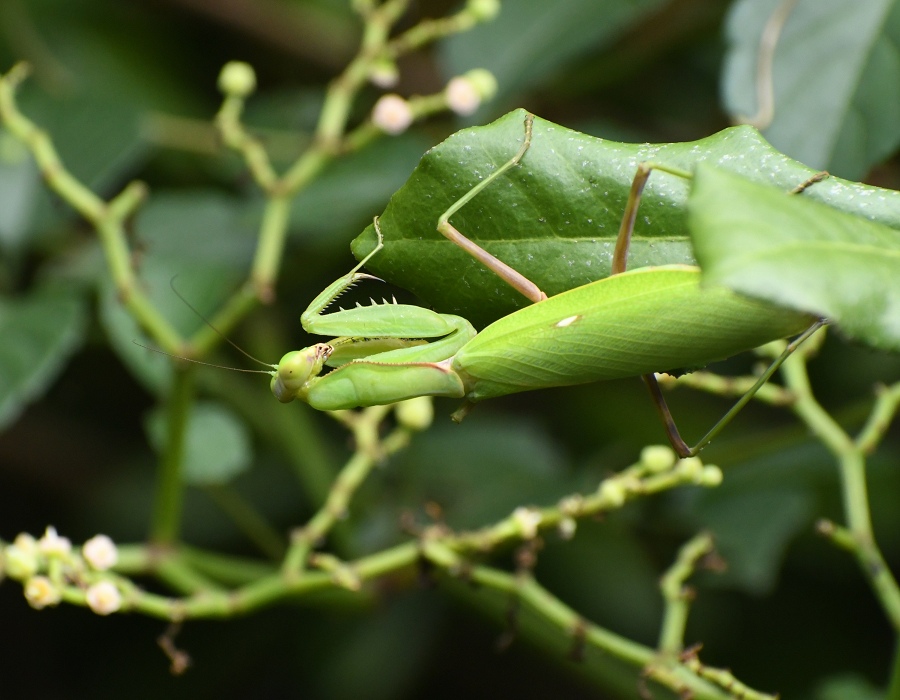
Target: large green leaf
(555, 217)
(798, 253)
(39, 334)
(835, 80)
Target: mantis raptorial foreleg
(618, 266)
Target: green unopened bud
(20, 559)
(691, 467)
(658, 458)
(483, 10)
(237, 79)
(613, 493)
(384, 73)
(711, 476)
(415, 414)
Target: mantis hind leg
(619, 265)
(512, 277)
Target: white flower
(41, 593)
(100, 552)
(103, 598)
(392, 114)
(52, 545)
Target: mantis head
(295, 370)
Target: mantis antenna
(207, 364)
(216, 331)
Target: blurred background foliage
(128, 90)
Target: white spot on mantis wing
(568, 321)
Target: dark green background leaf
(38, 335)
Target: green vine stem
(850, 455)
(107, 218)
(677, 595)
(166, 521)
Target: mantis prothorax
(632, 323)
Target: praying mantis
(632, 323)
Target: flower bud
(483, 10)
(20, 559)
(100, 553)
(52, 545)
(392, 114)
(384, 73)
(237, 79)
(691, 467)
(415, 414)
(613, 493)
(710, 476)
(103, 598)
(528, 520)
(567, 527)
(465, 93)
(658, 458)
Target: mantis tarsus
(632, 323)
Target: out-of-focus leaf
(848, 687)
(531, 41)
(382, 656)
(200, 243)
(798, 253)
(753, 530)
(511, 462)
(20, 183)
(217, 447)
(556, 216)
(835, 79)
(354, 188)
(606, 573)
(37, 335)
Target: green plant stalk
(270, 248)
(107, 219)
(368, 454)
(852, 465)
(525, 589)
(168, 500)
(677, 596)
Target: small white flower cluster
(47, 565)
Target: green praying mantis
(634, 322)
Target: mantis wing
(643, 321)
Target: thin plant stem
(166, 522)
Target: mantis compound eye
(296, 369)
